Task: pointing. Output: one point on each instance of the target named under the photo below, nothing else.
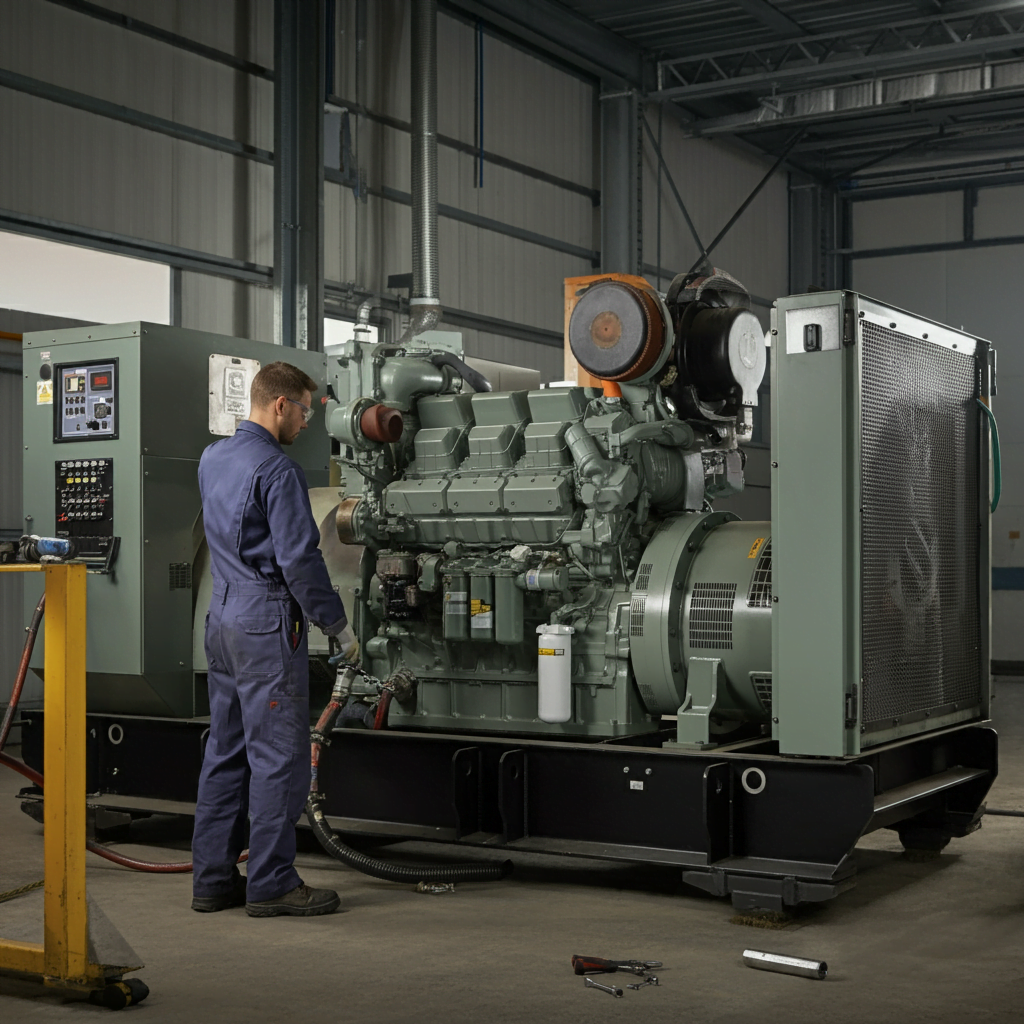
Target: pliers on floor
(597, 965)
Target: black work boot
(302, 901)
(234, 897)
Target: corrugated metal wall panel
(713, 179)
(11, 585)
(975, 290)
(547, 361)
(85, 169)
(89, 170)
(533, 112)
(59, 46)
(213, 24)
(544, 120)
(222, 306)
(910, 220)
(999, 212)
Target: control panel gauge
(85, 405)
(84, 507)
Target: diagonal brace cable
(797, 136)
(672, 185)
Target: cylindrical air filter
(508, 609)
(617, 331)
(456, 607)
(481, 608)
(554, 673)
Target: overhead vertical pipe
(299, 173)
(424, 299)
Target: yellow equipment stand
(62, 959)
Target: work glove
(349, 648)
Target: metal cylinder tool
(782, 964)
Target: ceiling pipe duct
(424, 302)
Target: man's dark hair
(277, 379)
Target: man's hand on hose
(349, 648)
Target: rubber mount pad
(608, 329)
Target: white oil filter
(554, 673)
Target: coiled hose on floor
(373, 866)
(155, 867)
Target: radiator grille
(711, 615)
(760, 594)
(179, 575)
(920, 517)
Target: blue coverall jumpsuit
(268, 578)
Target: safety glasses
(307, 410)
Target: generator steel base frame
(769, 831)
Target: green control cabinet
(116, 418)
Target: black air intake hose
(476, 380)
(396, 872)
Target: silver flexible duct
(426, 308)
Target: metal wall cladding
(920, 518)
(12, 634)
(47, 41)
(713, 179)
(975, 289)
(532, 113)
(79, 167)
(222, 306)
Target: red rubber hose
(380, 719)
(19, 679)
(34, 777)
(22, 769)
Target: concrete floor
(937, 942)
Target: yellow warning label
(755, 547)
(477, 607)
(551, 651)
(44, 392)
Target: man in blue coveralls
(268, 578)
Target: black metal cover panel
(921, 629)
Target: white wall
(40, 276)
(977, 290)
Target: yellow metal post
(65, 914)
(63, 958)
(21, 957)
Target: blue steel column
(299, 173)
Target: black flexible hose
(396, 872)
(329, 840)
(476, 380)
